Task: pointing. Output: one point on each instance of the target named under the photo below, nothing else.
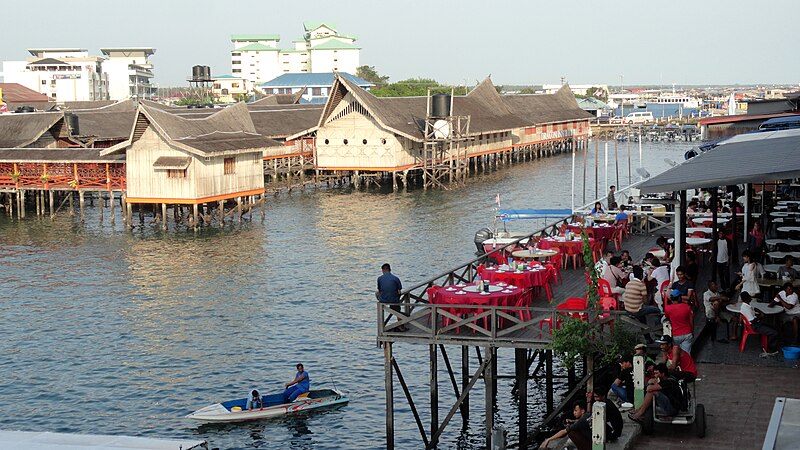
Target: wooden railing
(109, 176)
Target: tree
(370, 74)
(528, 91)
(413, 87)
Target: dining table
(530, 276)
(702, 220)
(693, 241)
(600, 231)
(500, 294)
(535, 253)
(564, 245)
(772, 268)
(788, 229)
(789, 242)
(761, 306)
(706, 230)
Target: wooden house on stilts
(205, 163)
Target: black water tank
(440, 105)
(24, 109)
(207, 72)
(197, 72)
(73, 124)
(480, 236)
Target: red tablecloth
(567, 247)
(600, 231)
(500, 298)
(525, 280)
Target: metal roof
(334, 44)
(255, 37)
(256, 48)
(311, 80)
(776, 156)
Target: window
(236, 54)
(364, 142)
(235, 62)
(44, 81)
(176, 173)
(224, 92)
(234, 85)
(383, 141)
(230, 166)
(269, 91)
(236, 70)
(316, 91)
(217, 86)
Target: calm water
(109, 331)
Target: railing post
(380, 319)
(598, 426)
(638, 381)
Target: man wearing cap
(623, 384)
(680, 314)
(679, 362)
(641, 350)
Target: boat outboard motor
(482, 235)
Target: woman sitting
(598, 208)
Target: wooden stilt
(21, 197)
(239, 208)
(464, 384)
(222, 213)
(129, 212)
(164, 216)
(263, 207)
(521, 360)
(111, 205)
(389, 389)
(196, 220)
(549, 380)
(100, 200)
(434, 382)
(488, 380)
(81, 203)
(71, 210)
(52, 202)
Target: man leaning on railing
(389, 287)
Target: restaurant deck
(515, 332)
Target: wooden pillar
(521, 366)
(388, 388)
(263, 207)
(69, 197)
(196, 219)
(123, 203)
(239, 208)
(734, 253)
(111, 205)
(464, 384)
(129, 213)
(164, 216)
(81, 202)
(52, 201)
(548, 355)
(394, 181)
(434, 382)
(357, 179)
(100, 200)
(221, 213)
(680, 232)
(714, 234)
(488, 380)
(21, 197)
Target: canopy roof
(771, 156)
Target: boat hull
(219, 413)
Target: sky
(700, 42)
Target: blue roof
(311, 79)
(512, 214)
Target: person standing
(300, 385)
(612, 199)
(721, 265)
(680, 314)
(389, 288)
(749, 281)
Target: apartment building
(63, 74)
(129, 72)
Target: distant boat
(673, 99)
(273, 406)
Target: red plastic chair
(626, 230)
(608, 304)
(556, 261)
(617, 237)
(664, 289)
(604, 289)
(570, 303)
(748, 330)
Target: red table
(601, 231)
(502, 296)
(535, 277)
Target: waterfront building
(258, 57)
(129, 72)
(63, 74)
(172, 160)
(578, 89)
(592, 105)
(360, 132)
(312, 87)
(15, 95)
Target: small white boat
(272, 406)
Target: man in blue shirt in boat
(300, 385)
(389, 287)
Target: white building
(129, 72)
(258, 57)
(228, 88)
(63, 74)
(315, 87)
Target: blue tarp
(516, 214)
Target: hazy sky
(517, 42)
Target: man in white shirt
(791, 311)
(660, 273)
(715, 302)
(722, 267)
(749, 313)
(601, 265)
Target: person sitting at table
(787, 270)
(663, 243)
(598, 208)
(627, 262)
(791, 310)
(635, 297)
(714, 302)
(615, 275)
(684, 285)
(749, 271)
(680, 314)
(660, 274)
(754, 317)
(621, 215)
(600, 266)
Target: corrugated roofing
(311, 80)
(334, 44)
(172, 162)
(17, 93)
(311, 25)
(45, 155)
(257, 48)
(742, 118)
(774, 157)
(19, 130)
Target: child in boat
(300, 385)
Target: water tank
(482, 235)
(197, 72)
(73, 124)
(440, 105)
(207, 72)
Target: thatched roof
(488, 110)
(20, 130)
(88, 104)
(279, 99)
(105, 125)
(229, 130)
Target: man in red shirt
(680, 314)
(679, 362)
